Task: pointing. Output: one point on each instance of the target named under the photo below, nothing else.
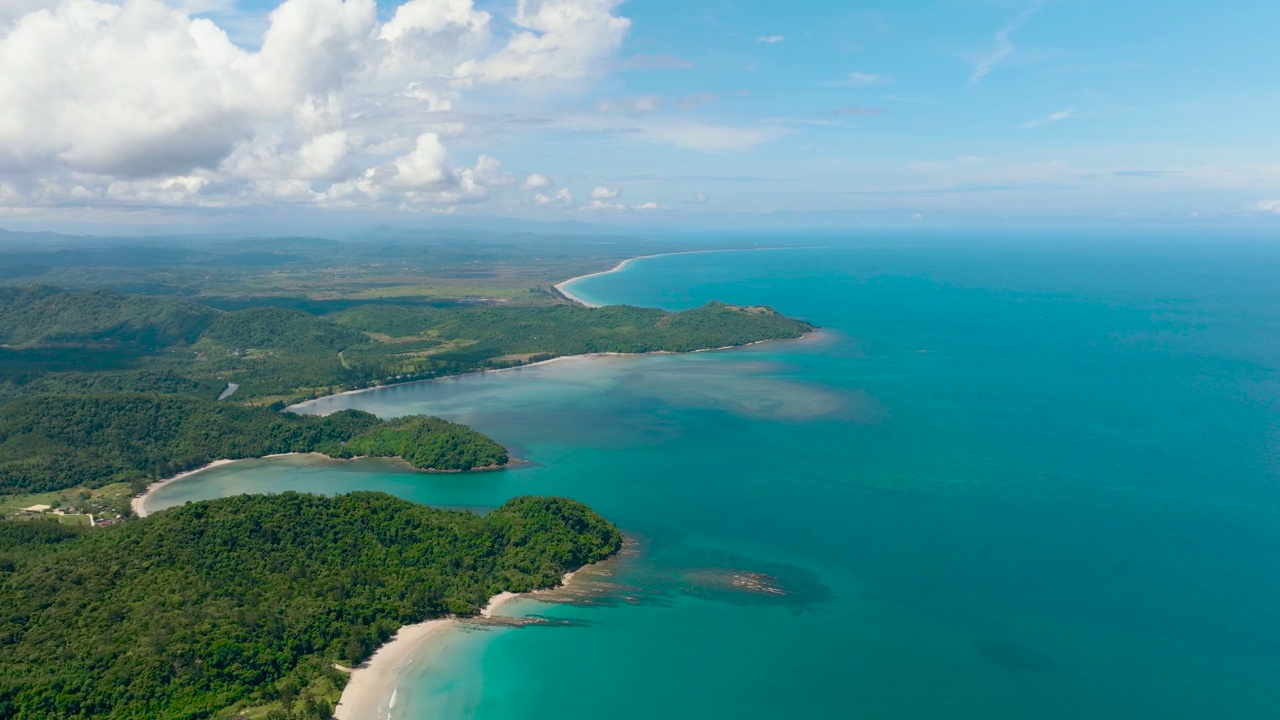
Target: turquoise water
(1011, 480)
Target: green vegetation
(410, 266)
(41, 314)
(202, 610)
(53, 442)
(573, 329)
(279, 355)
(271, 328)
(244, 604)
(426, 443)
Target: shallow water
(1012, 479)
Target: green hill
(53, 442)
(45, 315)
(274, 328)
(200, 610)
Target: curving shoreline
(562, 286)
(372, 688)
(139, 503)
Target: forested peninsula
(204, 610)
(52, 442)
(240, 607)
(94, 341)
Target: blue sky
(695, 112)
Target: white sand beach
(563, 287)
(139, 503)
(371, 690)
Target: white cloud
(698, 198)
(143, 89)
(560, 40)
(649, 206)
(429, 37)
(604, 193)
(422, 177)
(427, 165)
(770, 39)
(110, 102)
(1271, 206)
(1004, 46)
(1049, 119)
(536, 181)
(11, 10)
(488, 172)
(563, 198)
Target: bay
(1032, 476)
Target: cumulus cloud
(424, 41)
(698, 199)
(1271, 206)
(605, 193)
(136, 101)
(563, 198)
(536, 181)
(560, 40)
(649, 206)
(604, 205)
(144, 89)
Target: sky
(697, 113)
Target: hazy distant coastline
(562, 286)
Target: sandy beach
(562, 287)
(139, 503)
(371, 691)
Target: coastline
(139, 503)
(563, 284)
(560, 287)
(807, 337)
(371, 689)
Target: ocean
(1017, 477)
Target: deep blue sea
(1014, 478)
